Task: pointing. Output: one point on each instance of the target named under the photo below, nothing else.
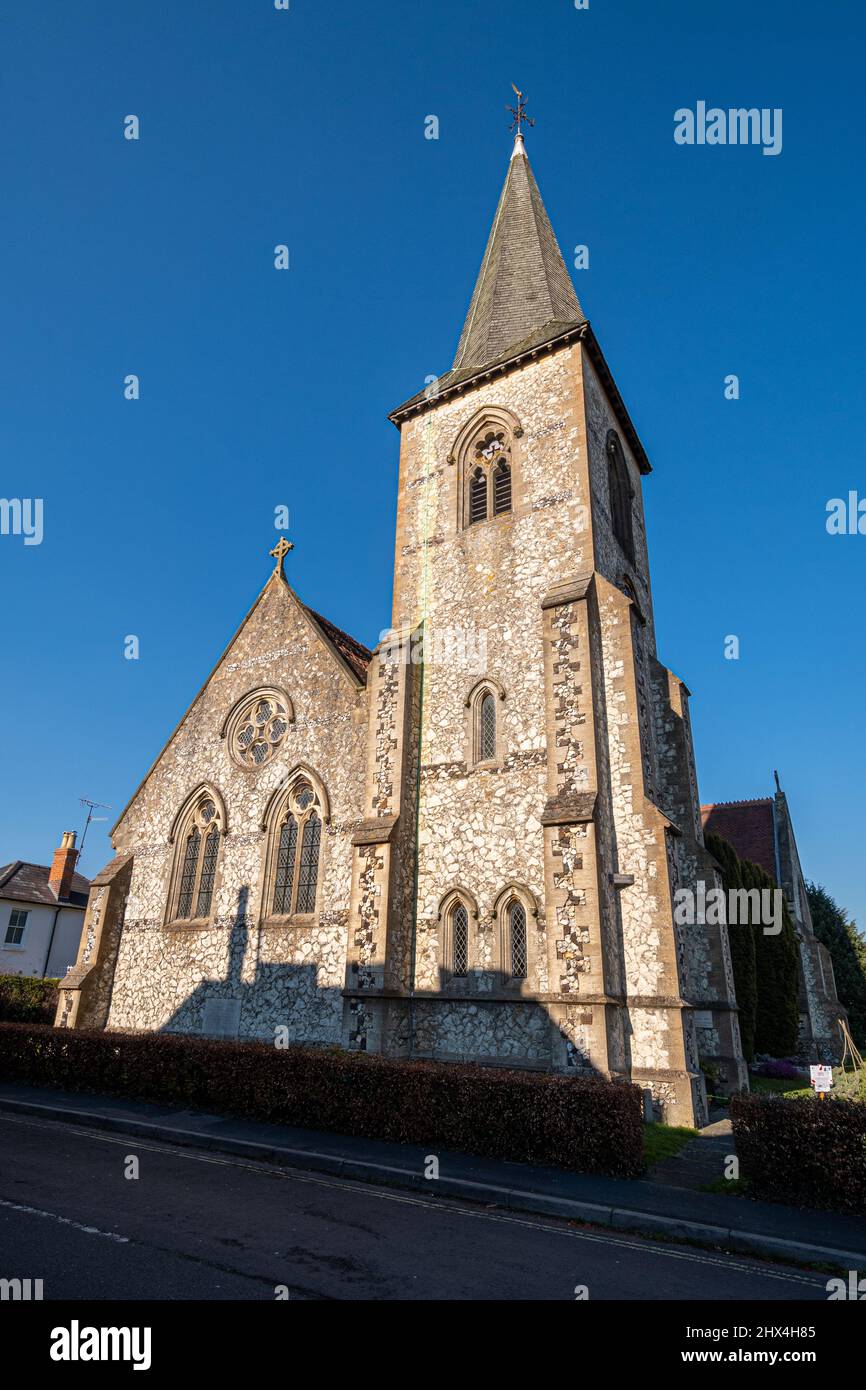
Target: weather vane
(519, 111)
(279, 552)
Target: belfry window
(488, 477)
(620, 491)
(198, 847)
(478, 497)
(501, 488)
(295, 873)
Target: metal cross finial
(519, 112)
(279, 552)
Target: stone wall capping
(569, 590)
(107, 874)
(509, 996)
(658, 1001)
(375, 831)
(577, 809)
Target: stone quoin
(344, 846)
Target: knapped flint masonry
(463, 859)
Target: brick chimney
(63, 865)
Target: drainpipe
(50, 941)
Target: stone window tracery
(292, 875)
(257, 727)
(489, 476)
(196, 859)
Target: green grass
(774, 1085)
(662, 1141)
(846, 1086)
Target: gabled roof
(355, 654)
(351, 656)
(28, 883)
(747, 825)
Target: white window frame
(11, 926)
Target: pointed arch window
(197, 857)
(488, 476)
(621, 494)
(294, 876)
(457, 911)
(487, 728)
(459, 941)
(484, 740)
(518, 959)
(513, 910)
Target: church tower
(555, 802)
(468, 843)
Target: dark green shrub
(805, 1152)
(585, 1124)
(27, 999)
(742, 941)
(847, 948)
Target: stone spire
(523, 284)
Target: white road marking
(439, 1204)
(64, 1221)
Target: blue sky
(261, 388)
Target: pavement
(641, 1206)
(98, 1215)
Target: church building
(465, 844)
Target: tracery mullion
(285, 876)
(193, 909)
(186, 888)
(209, 857)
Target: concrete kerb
(621, 1219)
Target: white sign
(822, 1078)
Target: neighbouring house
(761, 831)
(42, 913)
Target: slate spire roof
(523, 285)
(523, 302)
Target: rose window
(259, 730)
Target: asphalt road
(194, 1225)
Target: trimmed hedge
(27, 999)
(805, 1152)
(587, 1125)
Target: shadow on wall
(278, 995)
(480, 1017)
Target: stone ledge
(568, 591)
(375, 831)
(577, 809)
